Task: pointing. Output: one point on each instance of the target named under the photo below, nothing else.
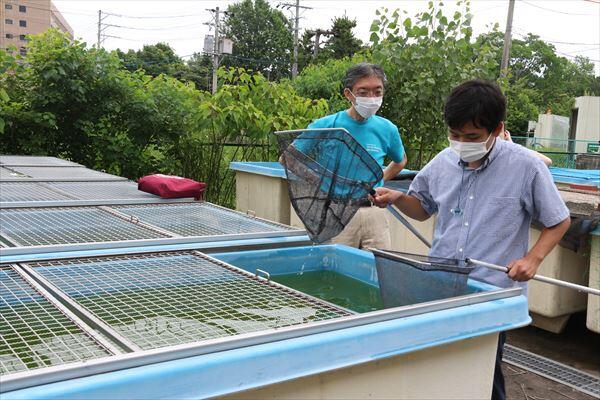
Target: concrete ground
(577, 347)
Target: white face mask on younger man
(367, 106)
(470, 151)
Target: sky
(572, 26)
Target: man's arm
(394, 169)
(407, 204)
(525, 268)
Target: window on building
(9, 36)
(23, 23)
(8, 21)
(23, 8)
(22, 37)
(8, 6)
(23, 51)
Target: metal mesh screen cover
(64, 225)
(329, 176)
(157, 300)
(6, 173)
(35, 334)
(28, 191)
(198, 219)
(64, 173)
(406, 279)
(36, 160)
(102, 190)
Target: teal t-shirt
(379, 136)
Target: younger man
(485, 193)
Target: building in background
(19, 18)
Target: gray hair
(363, 70)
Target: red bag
(171, 187)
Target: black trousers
(498, 389)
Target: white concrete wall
(588, 121)
(550, 127)
(461, 370)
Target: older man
(364, 86)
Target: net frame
(407, 279)
(329, 175)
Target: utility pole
(99, 27)
(215, 53)
(102, 27)
(297, 7)
(296, 31)
(217, 43)
(507, 39)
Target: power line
(524, 34)
(583, 50)
(571, 56)
(555, 11)
(154, 16)
(153, 29)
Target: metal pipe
(544, 279)
(407, 224)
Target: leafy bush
(424, 58)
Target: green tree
(342, 42)
(424, 58)
(339, 43)
(262, 38)
(552, 81)
(199, 71)
(154, 59)
(79, 103)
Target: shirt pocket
(505, 217)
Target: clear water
(335, 288)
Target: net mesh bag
(329, 177)
(406, 279)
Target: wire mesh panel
(64, 173)
(64, 225)
(6, 173)
(103, 190)
(156, 300)
(35, 334)
(36, 160)
(27, 191)
(199, 219)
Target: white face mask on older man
(367, 106)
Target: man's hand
(524, 269)
(385, 196)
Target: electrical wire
(556, 11)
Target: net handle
(551, 281)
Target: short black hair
(363, 70)
(477, 101)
